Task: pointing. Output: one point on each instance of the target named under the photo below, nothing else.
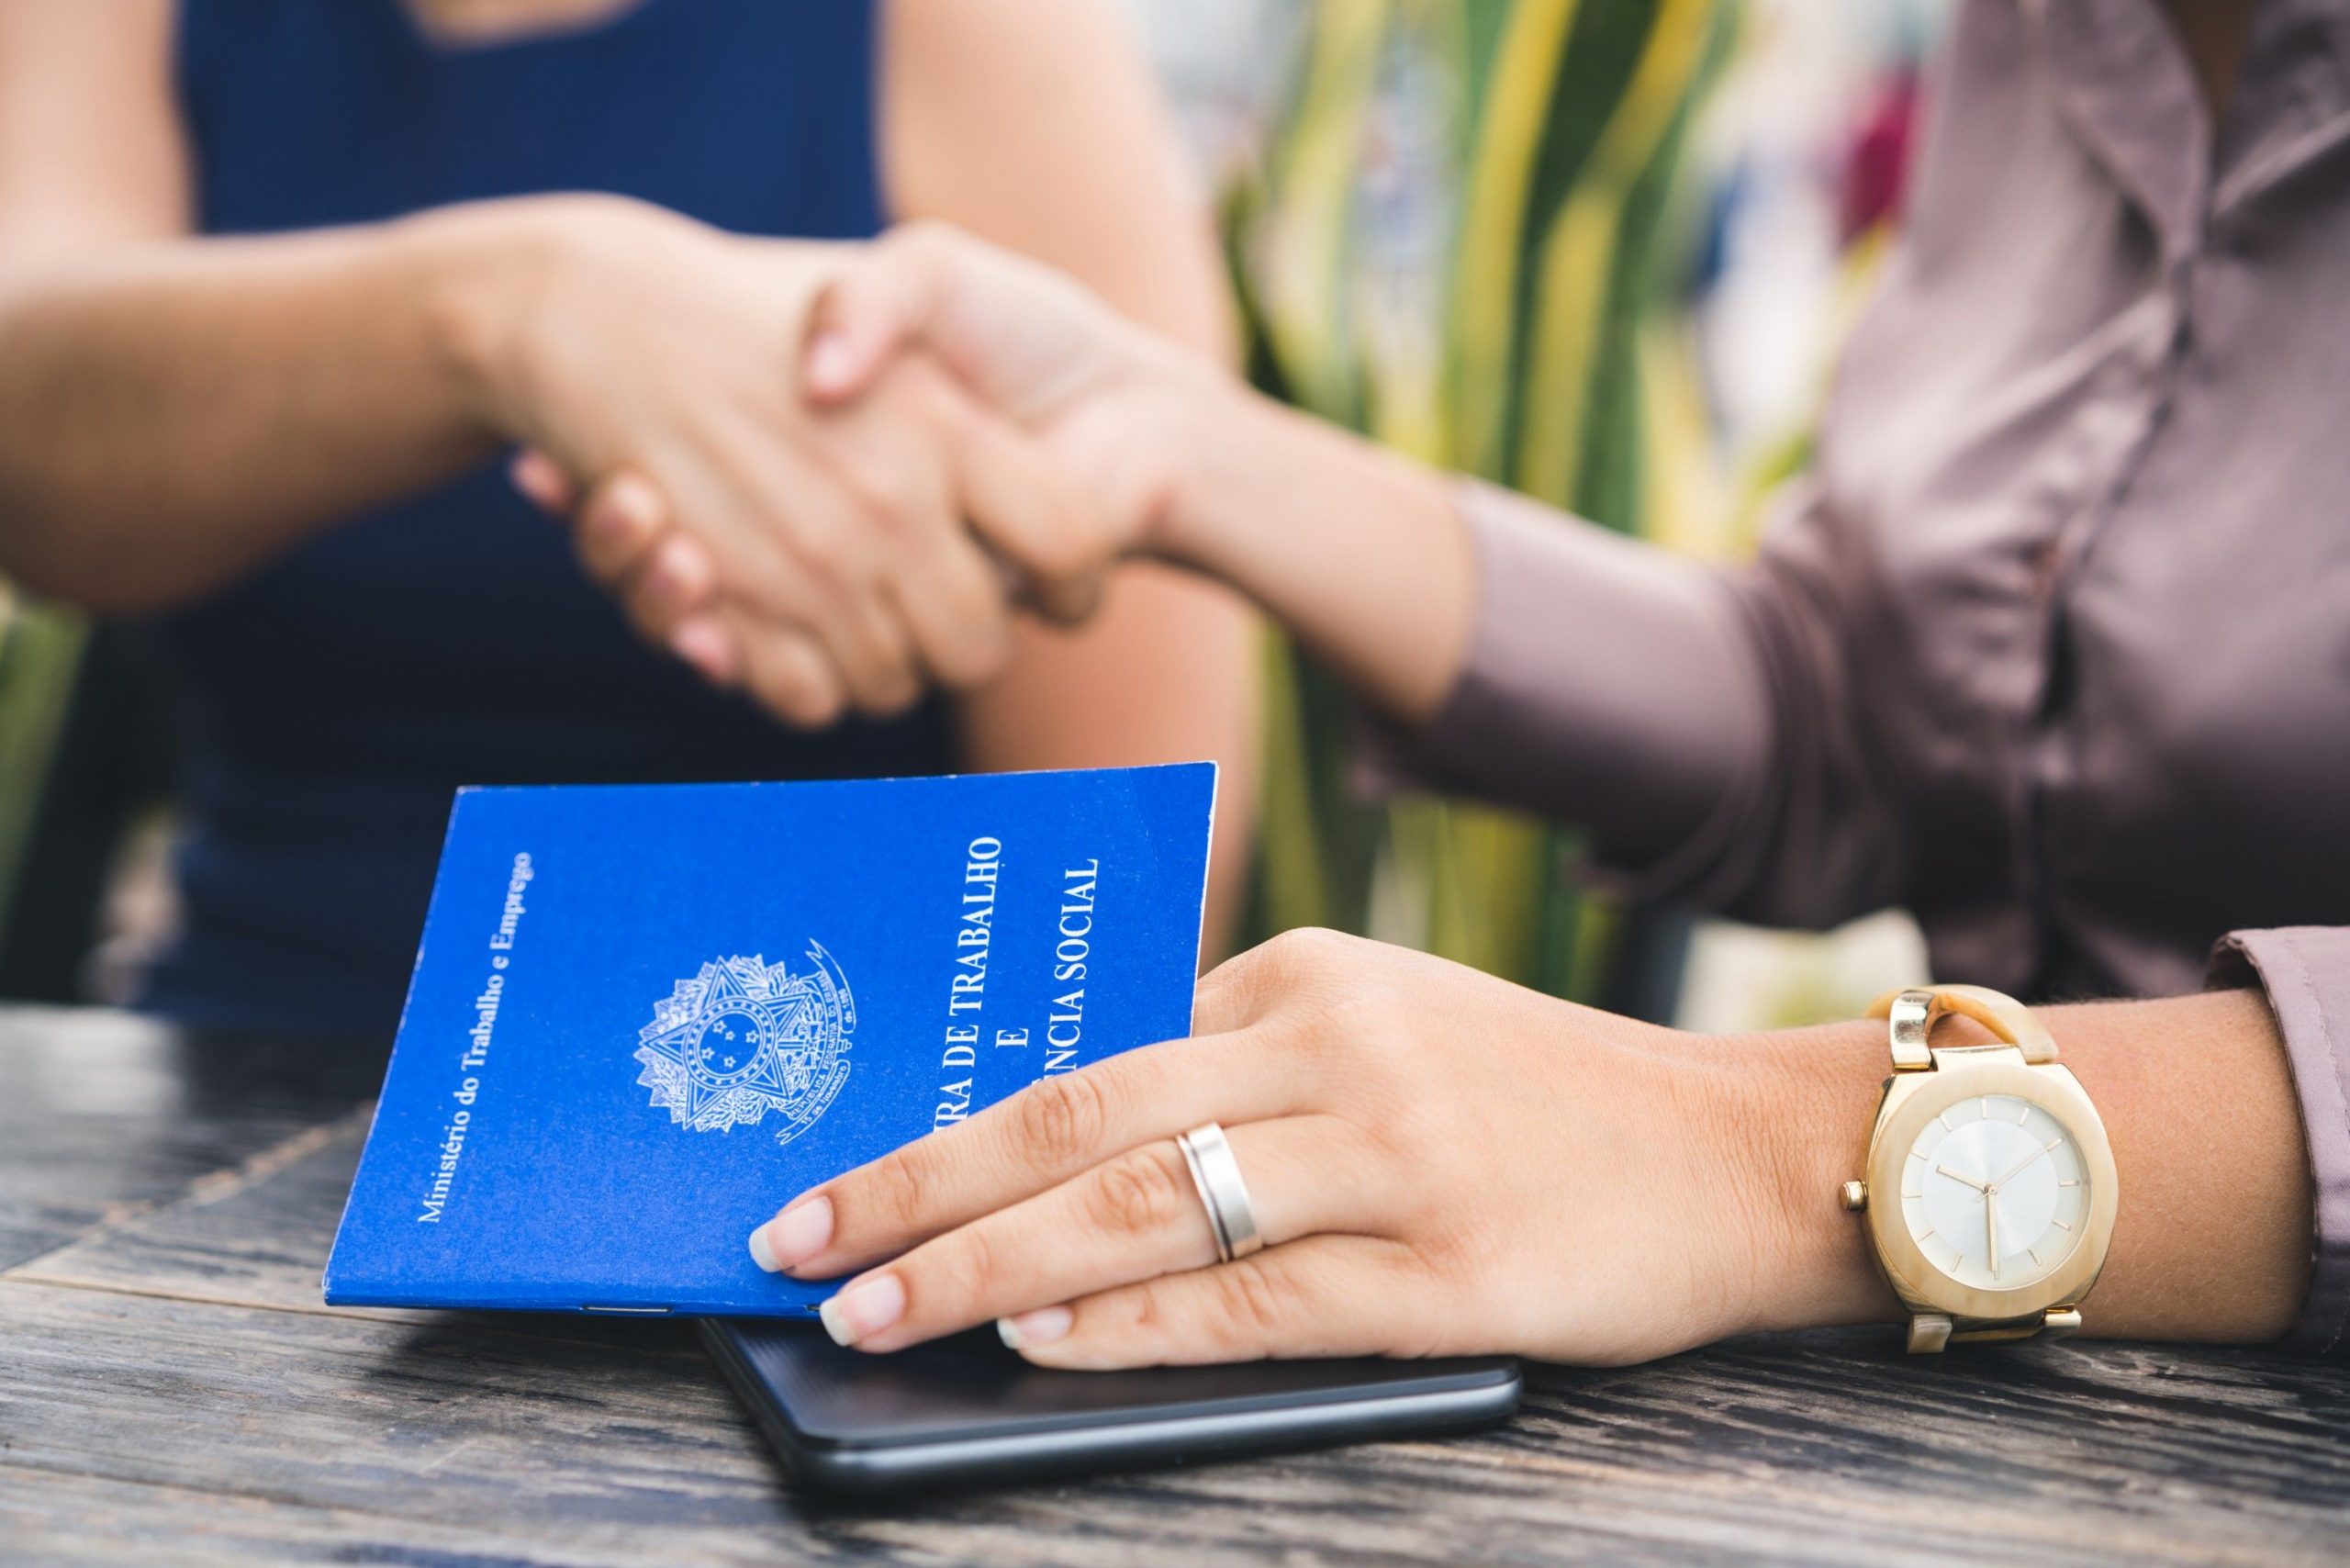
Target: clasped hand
(831, 473)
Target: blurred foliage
(1466, 242)
(41, 650)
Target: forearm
(1358, 552)
(2212, 1238)
(1527, 655)
(171, 414)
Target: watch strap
(1930, 1331)
(1914, 1011)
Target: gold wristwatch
(1989, 1188)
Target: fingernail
(664, 587)
(636, 501)
(863, 1309)
(606, 523)
(626, 508)
(762, 1254)
(657, 595)
(830, 359)
(705, 645)
(536, 478)
(1031, 1329)
(793, 1237)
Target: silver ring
(1207, 1153)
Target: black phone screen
(969, 1410)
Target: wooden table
(172, 1391)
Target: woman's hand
(820, 558)
(1108, 400)
(1439, 1163)
(925, 309)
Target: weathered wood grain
(106, 1113)
(255, 1234)
(557, 1450)
(171, 1390)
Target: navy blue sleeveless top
(338, 697)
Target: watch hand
(2017, 1169)
(1991, 1225)
(1946, 1171)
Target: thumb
(885, 300)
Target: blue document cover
(644, 1016)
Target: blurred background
(1602, 253)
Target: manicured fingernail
(1030, 1329)
(793, 1237)
(863, 1309)
(830, 359)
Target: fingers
(955, 609)
(806, 549)
(1029, 514)
(624, 518)
(709, 646)
(663, 579)
(811, 635)
(1035, 1139)
(1325, 1295)
(807, 653)
(789, 675)
(625, 542)
(857, 581)
(1133, 1217)
(675, 579)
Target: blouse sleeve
(1696, 721)
(1702, 725)
(2305, 969)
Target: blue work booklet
(644, 1017)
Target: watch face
(1995, 1192)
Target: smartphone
(966, 1411)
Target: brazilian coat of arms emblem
(744, 1039)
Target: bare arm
(171, 412)
(1358, 552)
(174, 410)
(1034, 123)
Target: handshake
(827, 476)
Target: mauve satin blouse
(2055, 649)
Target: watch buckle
(1931, 1332)
(1928, 1332)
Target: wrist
(1812, 1100)
(492, 275)
(1361, 552)
(1196, 419)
